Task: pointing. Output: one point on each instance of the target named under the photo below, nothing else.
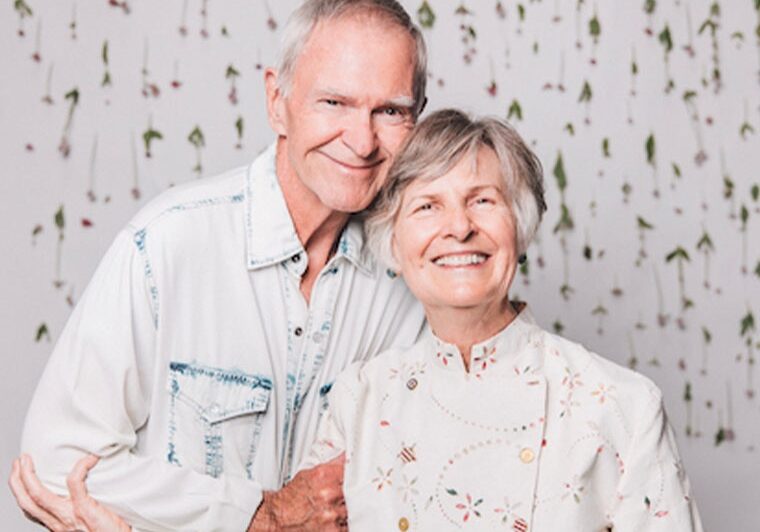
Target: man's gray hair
(303, 21)
(439, 142)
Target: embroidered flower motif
(567, 405)
(408, 489)
(383, 478)
(602, 392)
(571, 380)
(506, 511)
(466, 504)
(573, 488)
(481, 361)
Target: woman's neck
(465, 327)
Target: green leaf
(746, 129)
(687, 392)
(665, 39)
(594, 27)
(676, 169)
(60, 221)
(757, 269)
(650, 148)
(515, 110)
(705, 242)
(22, 8)
(462, 10)
(558, 327)
(42, 332)
(73, 95)
(239, 126)
(708, 24)
(104, 52)
(678, 253)
(426, 15)
(689, 95)
(231, 73)
(706, 335)
(747, 324)
(606, 147)
(521, 12)
(451, 491)
(755, 192)
(149, 136)
(744, 216)
(559, 172)
(196, 137)
(570, 128)
(586, 92)
(720, 436)
(565, 222)
(599, 310)
(728, 187)
(643, 224)
(649, 6)
(634, 68)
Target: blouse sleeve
(330, 440)
(653, 492)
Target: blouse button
(298, 331)
(527, 455)
(411, 384)
(403, 524)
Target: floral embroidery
(506, 511)
(444, 357)
(603, 392)
(467, 504)
(573, 488)
(480, 363)
(383, 478)
(408, 490)
(571, 380)
(567, 405)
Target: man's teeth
(460, 260)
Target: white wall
(521, 58)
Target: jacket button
(403, 524)
(411, 383)
(527, 455)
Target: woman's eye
(424, 207)
(483, 201)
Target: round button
(403, 524)
(411, 383)
(298, 331)
(527, 455)
(296, 258)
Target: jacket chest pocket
(216, 418)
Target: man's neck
(317, 226)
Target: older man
(197, 361)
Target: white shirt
(539, 435)
(193, 364)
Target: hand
(56, 513)
(312, 501)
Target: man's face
(348, 110)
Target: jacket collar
(271, 237)
(509, 348)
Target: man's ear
(275, 103)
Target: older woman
(490, 422)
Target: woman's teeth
(460, 260)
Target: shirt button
(527, 455)
(296, 258)
(403, 524)
(298, 331)
(411, 383)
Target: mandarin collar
(271, 237)
(509, 348)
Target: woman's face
(454, 237)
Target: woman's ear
(395, 264)
(275, 103)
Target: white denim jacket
(192, 363)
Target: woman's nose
(459, 223)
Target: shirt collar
(510, 347)
(270, 235)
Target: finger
(58, 508)
(75, 481)
(31, 510)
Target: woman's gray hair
(436, 145)
(303, 21)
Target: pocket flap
(219, 394)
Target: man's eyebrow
(401, 101)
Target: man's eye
(331, 102)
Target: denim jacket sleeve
(95, 396)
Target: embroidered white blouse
(540, 435)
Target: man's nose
(360, 135)
(459, 223)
